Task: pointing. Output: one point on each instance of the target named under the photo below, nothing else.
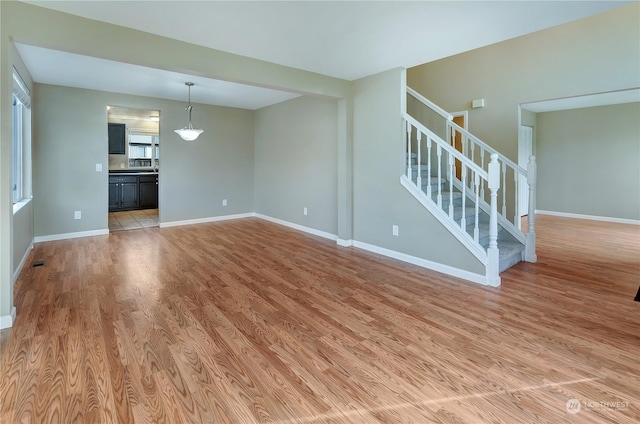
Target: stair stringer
(463, 237)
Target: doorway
(460, 119)
(134, 166)
(525, 150)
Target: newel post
(530, 246)
(493, 258)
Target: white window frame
(21, 143)
(16, 164)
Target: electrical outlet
(395, 230)
(224, 202)
(304, 211)
(77, 215)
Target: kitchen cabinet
(129, 192)
(123, 192)
(117, 139)
(148, 186)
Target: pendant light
(189, 133)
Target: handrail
(446, 146)
(490, 149)
(440, 111)
(429, 104)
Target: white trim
(20, 204)
(18, 270)
(590, 217)
(434, 266)
(464, 114)
(205, 220)
(298, 227)
(6, 321)
(344, 243)
(65, 236)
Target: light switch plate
(98, 167)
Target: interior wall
(70, 138)
(22, 222)
(296, 155)
(589, 161)
(597, 54)
(380, 201)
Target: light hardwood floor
(249, 322)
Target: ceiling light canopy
(189, 133)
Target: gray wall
(380, 201)
(589, 161)
(70, 138)
(296, 162)
(592, 55)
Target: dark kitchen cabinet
(123, 193)
(148, 191)
(117, 139)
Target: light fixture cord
(189, 108)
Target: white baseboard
(205, 220)
(344, 243)
(590, 217)
(6, 321)
(298, 227)
(434, 266)
(18, 270)
(65, 236)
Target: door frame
(523, 161)
(465, 124)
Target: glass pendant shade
(189, 133)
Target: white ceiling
(344, 39)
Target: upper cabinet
(117, 139)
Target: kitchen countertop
(132, 172)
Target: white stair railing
(477, 152)
(480, 177)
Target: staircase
(465, 184)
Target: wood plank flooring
(249, 322)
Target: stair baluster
(463, 220)
(516, 212)
(439, 153)
(429, 167)
(451, 174)
(504, 189)
(419, 177)
(476, 229)
(482, 166)
(408, 150)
